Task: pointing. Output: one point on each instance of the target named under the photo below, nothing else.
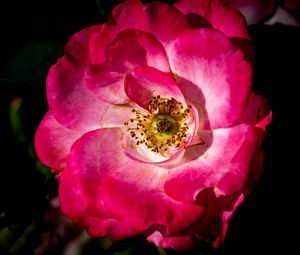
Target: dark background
(33, 35)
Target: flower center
(164, 126)
(161, 129)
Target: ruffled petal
(137, 48)
(67, 92)
(206, 58)
(99, 41)
(205, 230)
(73, 205)
(53, 142)
(106, 81)
(179, 243)
(210, 225)
(195, 96)
(227, 215)
(264, 122)
(162, 16)
(225, 165)
(129, 14)
(87, 170)
(130, 49)
(147, 207)
(256, 110)
(112, 185)
(147, 82)
(152, 17)
(258, 114)
(217, 14)
(210, 229)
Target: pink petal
(247, 47)
(220, 16)
(264, 122)
(67, 92)
(225, 165)
(226, 216)
(99, 41)
(77, 48)
(179, 243)
(84, 165)
(194, 96)
(152, 17)
(137, 48)
(116, 115)
(256, 110)
(206, 229)
(207, 60)
(130, 14)
(112, 185)
(213, 226)
(106, 81)
(210, 229)
(210, 225)
(162, 16)
(53, 142)
(146, 207)
(261, 127)
(147, 82)
(73, 205)
(258, 114)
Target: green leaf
(6, 237)
(14, 238)
(22, 240)
(45, 171)
(161, 251)
(129, 251)
(15, 118)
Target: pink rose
(152, 127)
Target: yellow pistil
(164, 126)
(161, 129)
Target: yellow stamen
(165, 128)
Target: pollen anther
(164, 128)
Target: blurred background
(33, 35)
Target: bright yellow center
(164, 127)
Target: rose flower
(152, 127)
